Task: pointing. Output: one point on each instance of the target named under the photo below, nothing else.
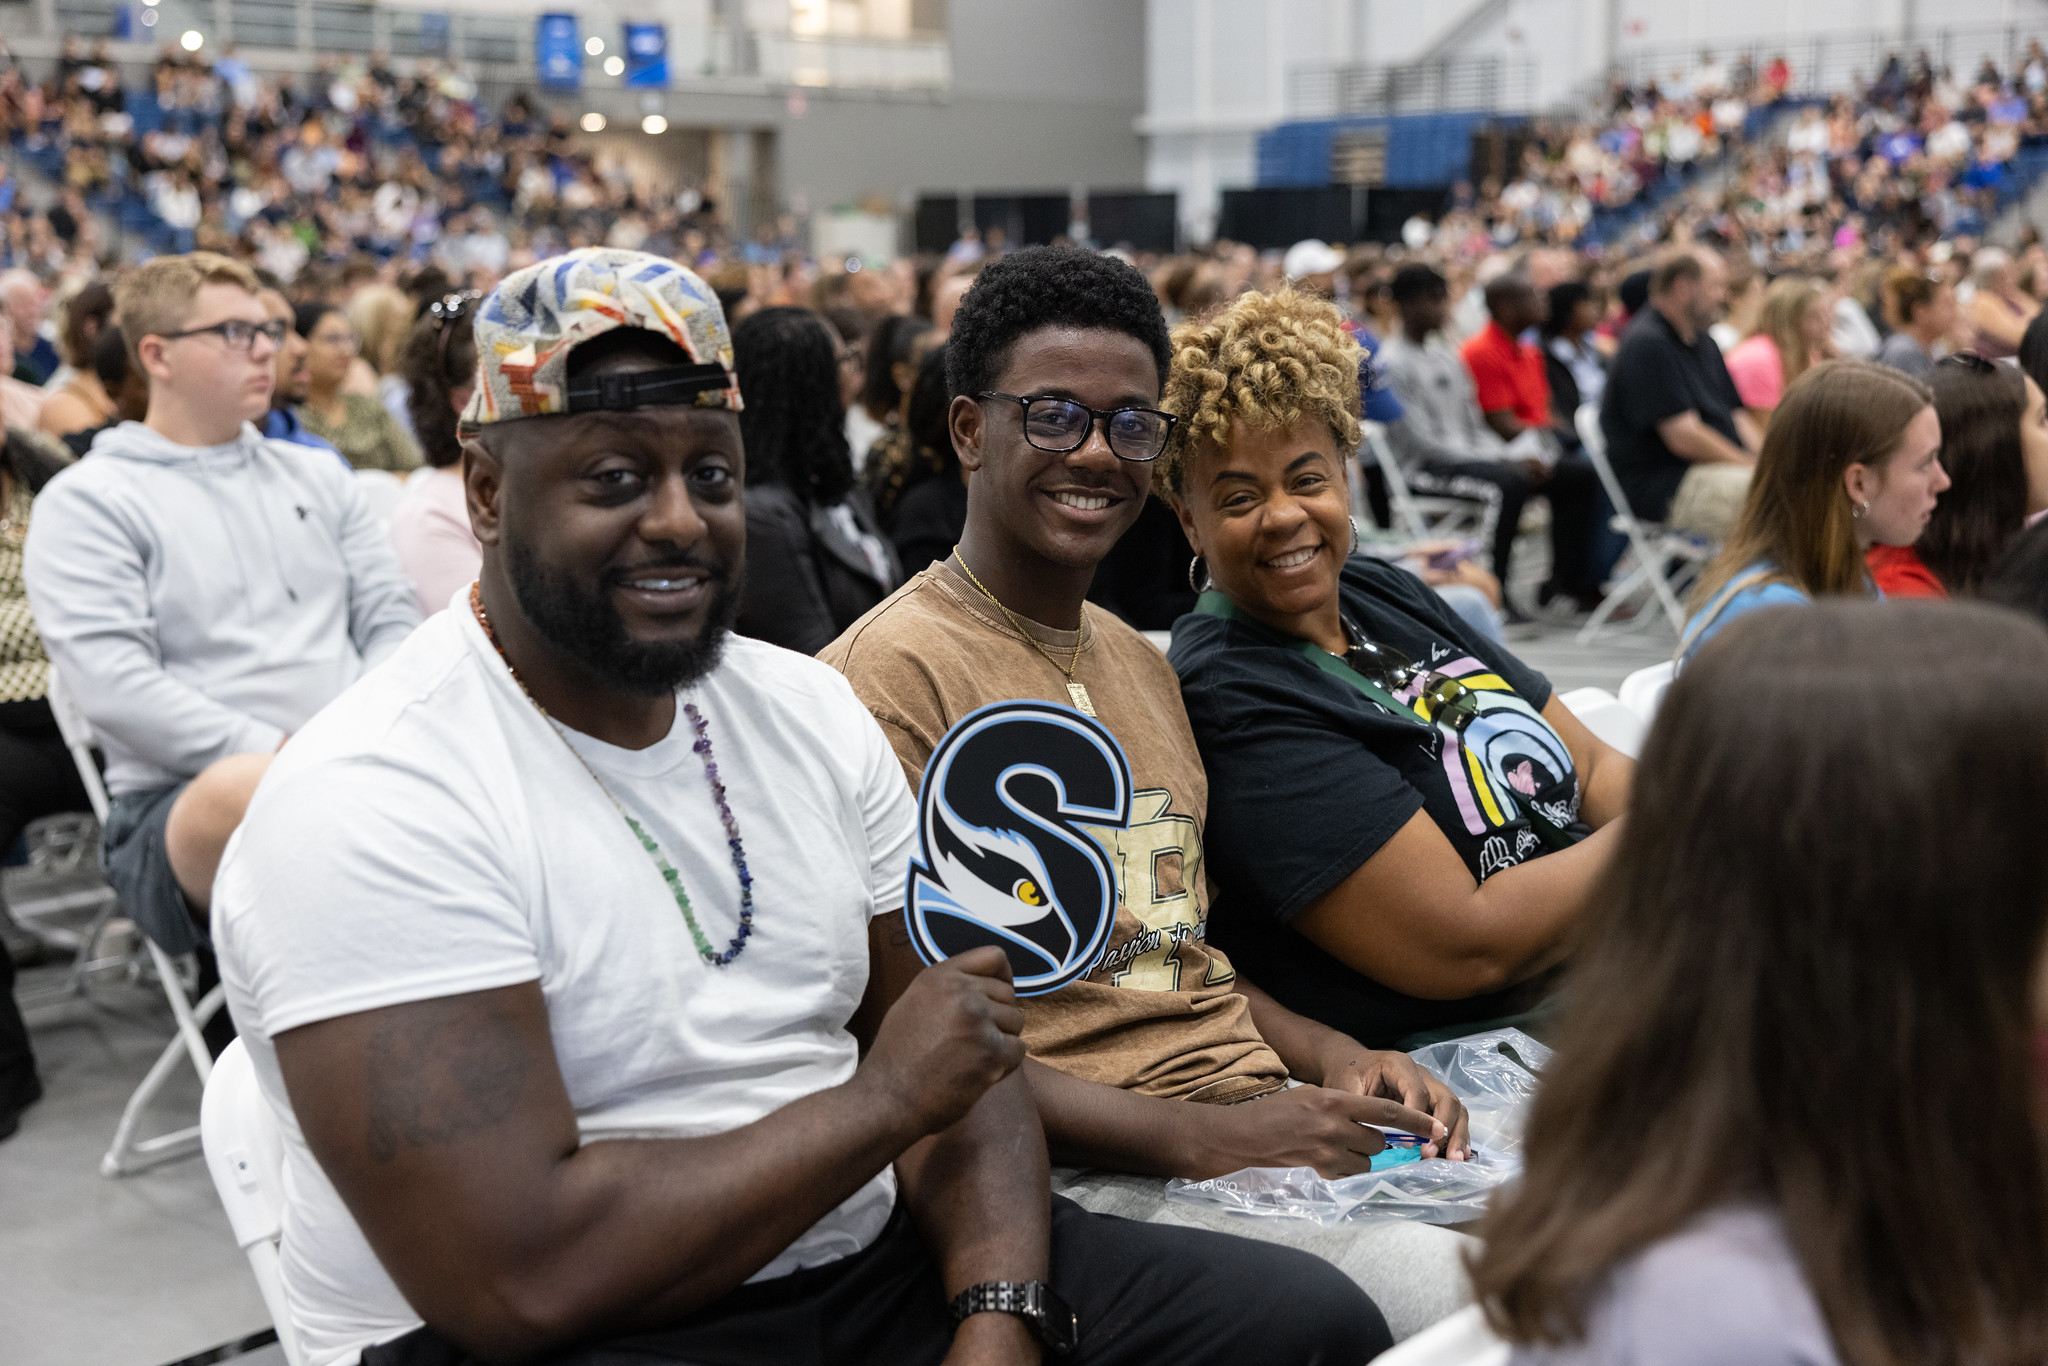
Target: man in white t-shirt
(567, 949)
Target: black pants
(1574, 493)
(1144, 1293)
(37, 779)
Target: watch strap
(1032, 1301)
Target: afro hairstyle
(1048, 287)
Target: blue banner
(558, 52)
(647, 55)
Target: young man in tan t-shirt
(1062, 348)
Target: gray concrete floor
(143, 1271)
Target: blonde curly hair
(1264, 361)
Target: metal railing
(1832, 63)
(1503, 84)
(495, 47)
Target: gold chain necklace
(1077, 691)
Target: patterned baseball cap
(527, 326)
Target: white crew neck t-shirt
(430, 834)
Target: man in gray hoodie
(202, 590)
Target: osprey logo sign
(1002, 858)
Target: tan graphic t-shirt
(1160, 1015)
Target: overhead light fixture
(594, 46)
(193, 40)
(615, 66)
(149, 17)
(654, 123)
(593, 122)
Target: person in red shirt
(1513, 388)
(1900, 572)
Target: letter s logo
(1002, 858)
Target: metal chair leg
(128, 1154)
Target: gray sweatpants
(1414, 1272)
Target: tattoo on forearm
(437, 1076)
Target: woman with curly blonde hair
(1403, 820)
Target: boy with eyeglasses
(202, 590)
(1162, 1061)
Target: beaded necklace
(669, 875)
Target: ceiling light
(614, 66)
(193, 40)
(593, 122)
(594, 46)
(654, 123)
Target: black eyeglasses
(1971, 361)
(1442, 699)
(239, 334)
(1060, 425)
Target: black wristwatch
(1033, 1301)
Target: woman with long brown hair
(1793, 334)
(1791, 1117)
(1852, 460)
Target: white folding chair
(129, 1154)
(1424, 516)
(1642, 692)
(245, 1157)
(1664, 559)
(1463, 1339)
(1601, 712)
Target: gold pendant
(1079, 692)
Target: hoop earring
(1193, 565)
(1353, 523)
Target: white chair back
(1463, 1339)
(383, 491)
(1642, 692)
(1656, 548)
(1602, 713)
(1423, 517)
(245, 1157)
(77, 733)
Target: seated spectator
(430, 529)
(1573, 364)
(1056, 361)
(382, 318)
(21, 403)
(1999, 311)
(1402, 849)
(1746, 288)
(80, 401)
(360, 427)
(128, 386)
(1782, 976)
(37, 775)
(1793, 334)
(2020, 578)
(1852, 460)
(196, 617)
(1680, 447)
(521, 872)
(1444, 441)
(927, 496)
(1922, 313)
(890, 370)
(26, 303)
(819, 558)
(1994, 448)
(292, 379)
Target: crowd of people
(516, 670)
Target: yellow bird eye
(1027, 892)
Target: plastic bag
(1494, 1073)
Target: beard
(588, 629)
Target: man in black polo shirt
(1679, 441)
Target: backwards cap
(526, 328)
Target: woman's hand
(1396, 1076)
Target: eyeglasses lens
(1136, 434)
(1054, 424)
(1450, 702)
